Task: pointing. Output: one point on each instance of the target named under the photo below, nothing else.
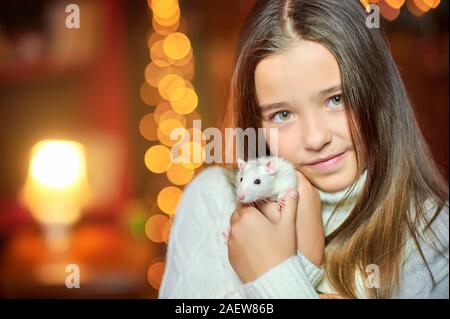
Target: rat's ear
(271, 166)
(241, 163)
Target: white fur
(273, 186)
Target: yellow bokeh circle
(177, 46)
(157, 158)
(168, 199)
(184, 100)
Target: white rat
(265, 178)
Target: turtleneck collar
(334, 198)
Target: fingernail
(293, 193)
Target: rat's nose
(241, 197)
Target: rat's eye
(257, 181)
(241, 179)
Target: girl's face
(299, 93)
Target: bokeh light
(192, 154)
(169, 84)
(157, 159)
(395, 4)
(154, 73)
(179, 174)
(148, 127)
(157, 228)
(171, 114)
(389, 12)
(155, 273)
(184, 100)
(149, 95)
(168, 199)
(177, 46)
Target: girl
(328, 83)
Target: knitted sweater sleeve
(197, 264)
(415, 278)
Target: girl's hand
(309, 225)
(255, 244)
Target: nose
(316, 133)
(241, 197)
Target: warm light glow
(192, 154)
(413, 8)
(187, 59)
(171, 114)
(149, 95)
(168, 199)
(172, 21)
(167, 126)
(158, 55)
(179, 174)
(154, 73)
(389, 13)
(421, 5)
(184, 100)
(155, 274)
(165, 12)
(164, 8)
(157, 228)
(197, 135)
(57, 164)
(432, 3)
(396, 4)
(165, 30)
(153, 38)
(165, 129)
(162, 107)
(177, 46)
(157, 159)
(187, 71)
(169, 84)
(57, 187)
(148, 127)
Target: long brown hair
(400, 173)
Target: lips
(325, 159)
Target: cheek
(285, 144)
(343, 130)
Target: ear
(241, 163)
(271, 166)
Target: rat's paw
(281, 204)
(281, 200)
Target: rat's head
(255, 179)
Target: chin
(336, 181)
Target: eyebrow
(268, 107)
(327, 91)
(330, 90)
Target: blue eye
(282, 116)
(335, 100)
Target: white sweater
(197, 264)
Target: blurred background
(85, 120)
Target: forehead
(299, 71)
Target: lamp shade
(56, 188)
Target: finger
(289, 211)
(270, 210)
